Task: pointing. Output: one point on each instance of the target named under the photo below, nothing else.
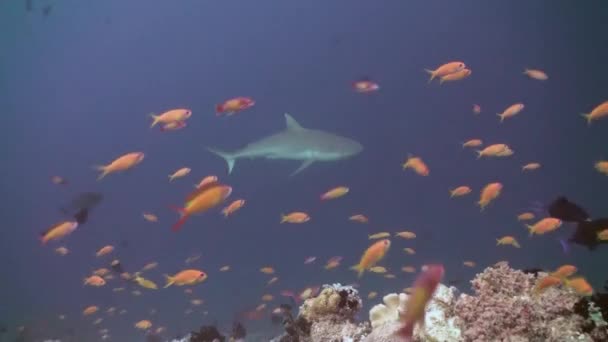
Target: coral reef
(207, 333)
(504, 308)
(328, 317)
(439, 321)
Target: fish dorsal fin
(292, 124)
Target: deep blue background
(76, 89)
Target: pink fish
(422, 291)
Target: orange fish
(233, 207)
(597, 113)
(416, 164)
(295, 217)
(90, 310)
(469, 263)
(445, 69)
(105, 250)
(58, 180)
(472, 143)
(602, 167)
(492, 151)
(602, 235)
(173, 126)
(58, 231)
(143, 325)
(150, 217)
(94, 280)
(476, 109)
(202, 199)
(580, 286)
(61, 250)
(565, 271)
(171, 116)
(182, 172)
(122, 163)
(186, 277)
(372, 256)
(206, 180)
(488, 194)
(460, 191)
(408, 269)
(525, 216)
(536, 74)
(359, 218)
(545, 225)
(267, 270)
(456, 76)
(530, 167)
(333, 262)
(406, 235)
(365, 86)
(335, 193)
(546, 282)
(513, 110)
(409, 251)
(507, 240)
(232, 106)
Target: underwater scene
(304, 171)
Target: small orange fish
(186, 277)
(456, 76)
(184, 171)
(122, 163)
(101, 272)
(545, 225)
(580, 286)
(295, 217)
(89, 310)
(234, 105)
(94, 280)
(233, 207)
(57, 180)
(150, 217)
(267, 298)
(489, 193)
(206, 180)
(335, 193)
(597, 113)
(492, 151)
(372, 256)
(359, 218)
(564, 271)
(272, 281)
(149, 266)
(225, 268)
(469, 263)
(525, 216)
(196, 302)
(445, 69)
(105, 250)
(58, 231)
(507, 240)
(372, 295)
(173, 126)
(406, 235)
(365, 86)
(408, 269)
(380, 235)
(602, 235)
(511, 111)
(536, 74)
(602, 167)
(267, 270)
(62, 251)
(409, 251)
(333, 262)
(460, 191)
(171, 116)
(472, 143)
(546, 282)
(143, 325)
(416, 164)
(202, 199)
(530, 167)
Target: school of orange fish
(210, 193)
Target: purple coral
(505, 309)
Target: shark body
(295, 143)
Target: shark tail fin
(228, 157)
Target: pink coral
(504, 309)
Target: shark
(297, 143)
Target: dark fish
(567, 211)
(80, 206)
(586, 233)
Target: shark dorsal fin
(291, 123)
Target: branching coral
(504, 308)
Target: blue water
(76, 88)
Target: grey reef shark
(295, 143)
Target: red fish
(202, 199)
(422, 291)
(365, 86)
(237, 104)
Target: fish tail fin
(451, 193)
(531, 229)
(479, 153)
(219, 109)
(502, 118)
(283, 218)
(587, 117)
(432, 73)
(358, 269)
(497, 242)
(155, 119)
(441, 80)
(170, 281)
(481, 205)
(104, 171)
(171, 178)
(182, 218)
(228, 157)
(516, 244)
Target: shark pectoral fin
(304, 165)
